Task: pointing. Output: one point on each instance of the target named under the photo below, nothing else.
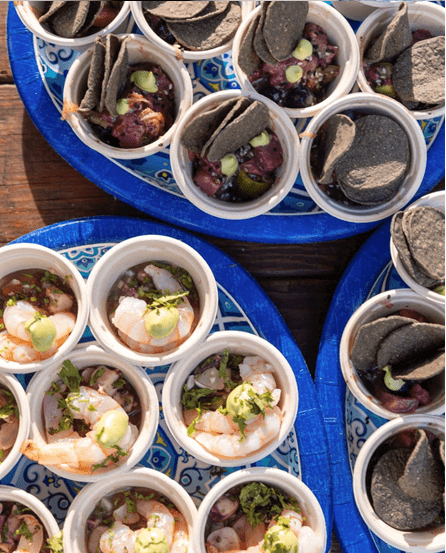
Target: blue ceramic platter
(348, 422)
(242, 306)
(39, 70)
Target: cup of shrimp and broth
(261, 509)
(417, 245)
(363, 157)
(398, 483)
(26, 524)
(14, 421)
(231, 401)
(153, 299)
(143, 510)
(392, 354)
(92, 415)
(301, 55)
(124, 96)
(191, 31)
(43, 307)
(234, 154)
(402, 53)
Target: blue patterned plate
(347, 421)
(242, 306)
(39, 70)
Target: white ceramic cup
(366, 104)
(271, 476)
(29, 13)
(140, 50)
(182, 53)
(10, 383)
(138, 250)
(38, 508)
(23, 256)
(437, 200)
(74, 528)
(422, 15)
(239, 343)
(287, 173)
(383, 305)
(422, 541)
(339, 34)
(84, 356)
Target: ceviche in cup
(14, 421)
(91, 415)
(232, 401)
(144, 510)
(26, 524)
(43, 307)
(153, 298)
(260, 510)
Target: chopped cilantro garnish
(70, 376)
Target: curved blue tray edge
(352, 532)
(176, 210)
(314, 460)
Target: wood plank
(5, 70)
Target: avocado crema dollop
(151, 540)
(42, 332)
(160, 322)
(280, 538)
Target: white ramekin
(383, 305)
(366, 104)
(271, 476)
(240, 343)
(182, 167)
(437, 200)
(140, 50)
(137, 250)
(427, 541)
(85, 356)
(339, 33)
(181, 53)
(86, 500)
(22, 256)
(29, 13)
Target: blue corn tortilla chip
(420, 369)
(395, 39)
(259, 42)
(95, 77)
(283, 26)
(112, 46)
(117, 78)
(212, 9)
(175, 10)
(340, 134)
(248, 59)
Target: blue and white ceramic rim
(26, 12)
(270, 476)
(16, 495)
(134, 251)
(239, 343)
(382, 305)
(427, 541)
(140, 50)
(422, 15)
(437, 200)
(74, 535)
(23, 256)
(87, 355)
(287, 174)
(367, 104)
(340, 33)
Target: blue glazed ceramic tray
(39, 70)
(348, 422)
(242, 306)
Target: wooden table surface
(38, 188)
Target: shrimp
(259, 373)
(259, 433)
(32, 540)
(9, 424)
(211, 421)
(129, 317)
(81, 454)
(121, 539)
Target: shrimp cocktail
(38, 311)
(153, 307)
(258, 518)
(9, 422)
(91, 420)
(136, 520)
(230, 404)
